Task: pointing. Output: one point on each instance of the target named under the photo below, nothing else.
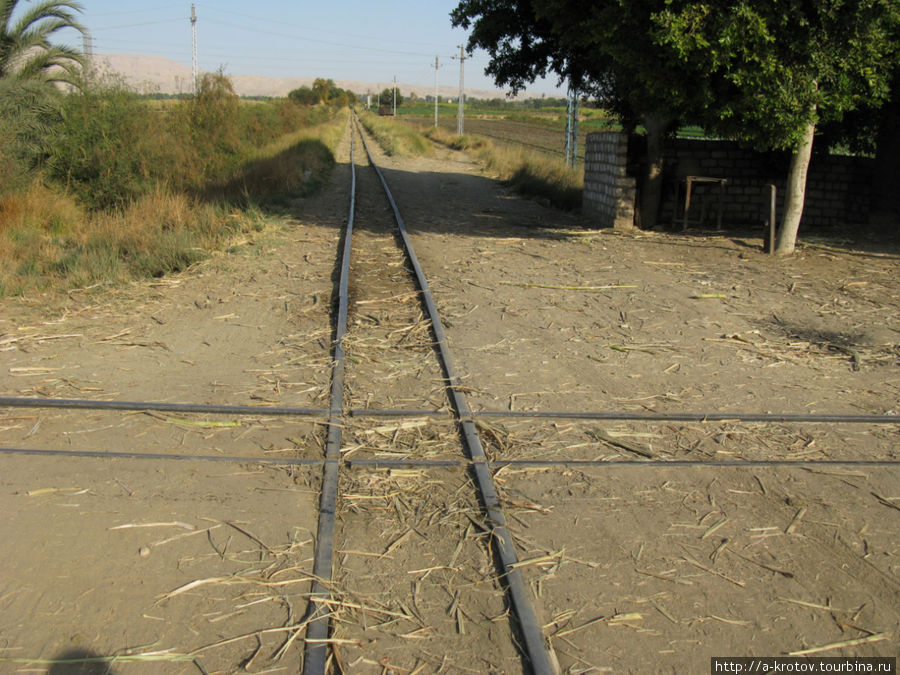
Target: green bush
(109, 148)
(101, 185)
(28, 112)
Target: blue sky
(341, 39)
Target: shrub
(304, 96)
(135, 190)
(109, 148)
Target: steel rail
(448, 463)
(535, 644)
(131, 454)
(286, 411)
(550, 463)
(363, 413)
(319, 612)
(158, 406)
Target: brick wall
(609, 192)
(837, 190)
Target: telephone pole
(435, 92)
(460, 125)
(395, 95)
(195, 67)
(572, 127)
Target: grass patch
(532, 174)
(394, 137)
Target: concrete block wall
(609, 192)
(837, 190)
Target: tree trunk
(795, 193)
(651, 193)
(885, 204)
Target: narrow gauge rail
(537, 653)
(317, 639)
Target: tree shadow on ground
(80, 662)
(469, 203)
(274, 183)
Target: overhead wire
(136, 25)
(316, 40)
(315, 29)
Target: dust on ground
(633, 568)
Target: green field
(538, 128)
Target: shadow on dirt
(80, 662)
(825, 338)
(456, 203)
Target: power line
(280, 56)
(142, 10)
(317, 41)
(436, 67)
(137, 25)
(460, 115)
(195, 65)
(315, 29)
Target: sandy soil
(637, 568)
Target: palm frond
(47, 17)
(29, 111)
(26, 50)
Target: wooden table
(689, 183)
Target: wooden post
(722, 184)
(771, 219)
(687, 202)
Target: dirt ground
(635, 568)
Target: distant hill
(157, 74)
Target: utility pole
(435, 92)
(87, 43)
(395, 95)
(572, 127)
(88, 49)
(195, 67)
(460, 125)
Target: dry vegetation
(531, 173)
(110, 187)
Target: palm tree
(26, 53)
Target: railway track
(433, 496)
(526, 622)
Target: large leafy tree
(887, 151)
(323, 89)
(304, 96)
(26, 50)
(605, 47)
(763, 71)
(779, 69)
(386, 97)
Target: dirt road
(634, 568)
